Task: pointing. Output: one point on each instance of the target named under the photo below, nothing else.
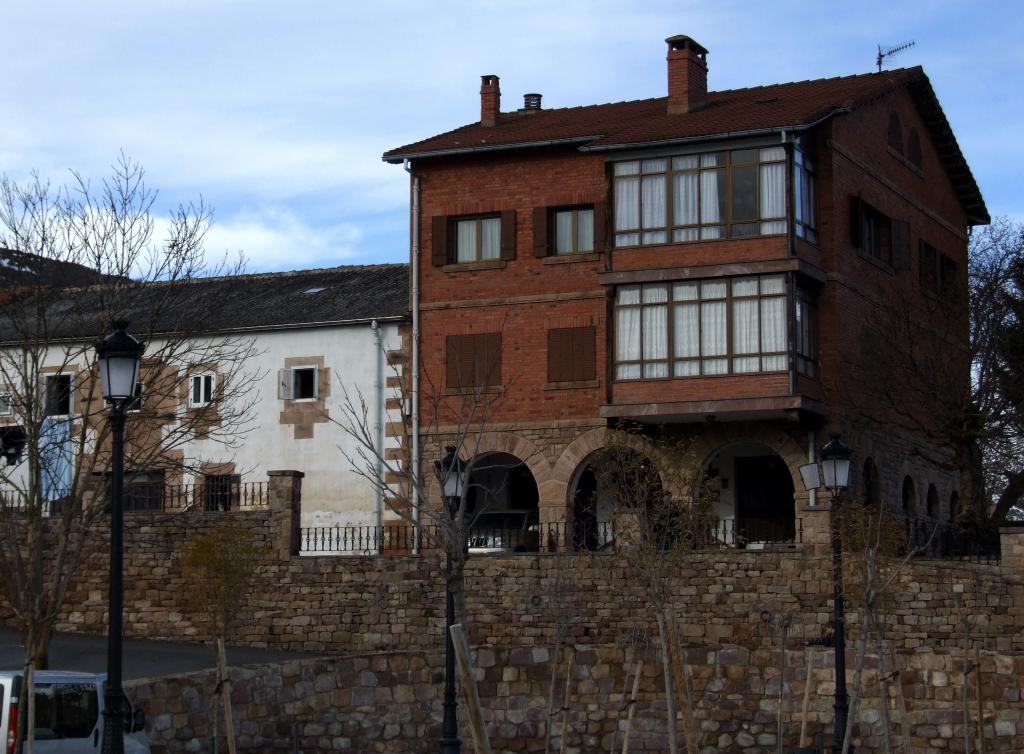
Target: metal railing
(943, 540)
(154, 496)
(580, 536)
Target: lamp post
(118, 356)
(451, 472)
(833, 474)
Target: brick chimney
(687, 75)
(490, 100)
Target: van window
(65, 710)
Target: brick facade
(523, 295)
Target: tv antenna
(886, 52)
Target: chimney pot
(687, 74)
(490, 100)
(531, 101)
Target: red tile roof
(643, 122)
(628, 125)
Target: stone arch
(908, 496)
(932, 502)
(756, 499)
(717, 437)
(870, 482)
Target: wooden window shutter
(572, 354)
(541, 246)
(508, 234)
(453, 350)
(901, 244)
(559, 355)
(599, 226)
(439, 241)
(488, 354)
(856, 218)
(586, 355)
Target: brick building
(709, 261)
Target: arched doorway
(502, 504)
(593, 511)
(755, 502)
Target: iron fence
(183, 498)
(579, 536)
(947, 541)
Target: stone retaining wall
(372, 603)
(390, 702)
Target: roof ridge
(276, 273)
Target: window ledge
(572, 384)
(902, 158)
(570, 258)
(484, 264)
(483, 390)
(883, 266)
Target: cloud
(275, 239)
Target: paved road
(142, 658)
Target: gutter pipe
(378, 427)
(414, 303)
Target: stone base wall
(395, 602)
(392, 702)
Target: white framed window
(200, 389)
(298, 383)
(58, 390)
(6, 403)
(138, 397)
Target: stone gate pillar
(284, 499)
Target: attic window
(914, 148)
(895, 133)
(317, 289)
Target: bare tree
(878, 556)
(218, 567)
(664, 515)
(967, 357)
(93, 255)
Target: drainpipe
(414, 253)
(378, 427)
(813, 501)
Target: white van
(69, 713)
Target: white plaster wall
(332, 494)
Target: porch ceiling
(788, 407)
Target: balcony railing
(937, 539)
(580, 536)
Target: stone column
(284, 498)
(1011, 543)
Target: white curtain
(712, 336)
(491, 238)
(685, 196)
(563, 232)
(585, 230)
(655, 327)
(627, 343)
(744, 333)
(627, 203)
(773, 198)
(710, 206)
(686, 327)
(466, 241)
(773, 332)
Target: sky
(276, 113)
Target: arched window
(908, 495)
(933, 501)
(895, 133)
(954, 506)
(914, 148)
(870, 482)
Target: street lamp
(833, 474)
(119, 356)
(451, 472)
